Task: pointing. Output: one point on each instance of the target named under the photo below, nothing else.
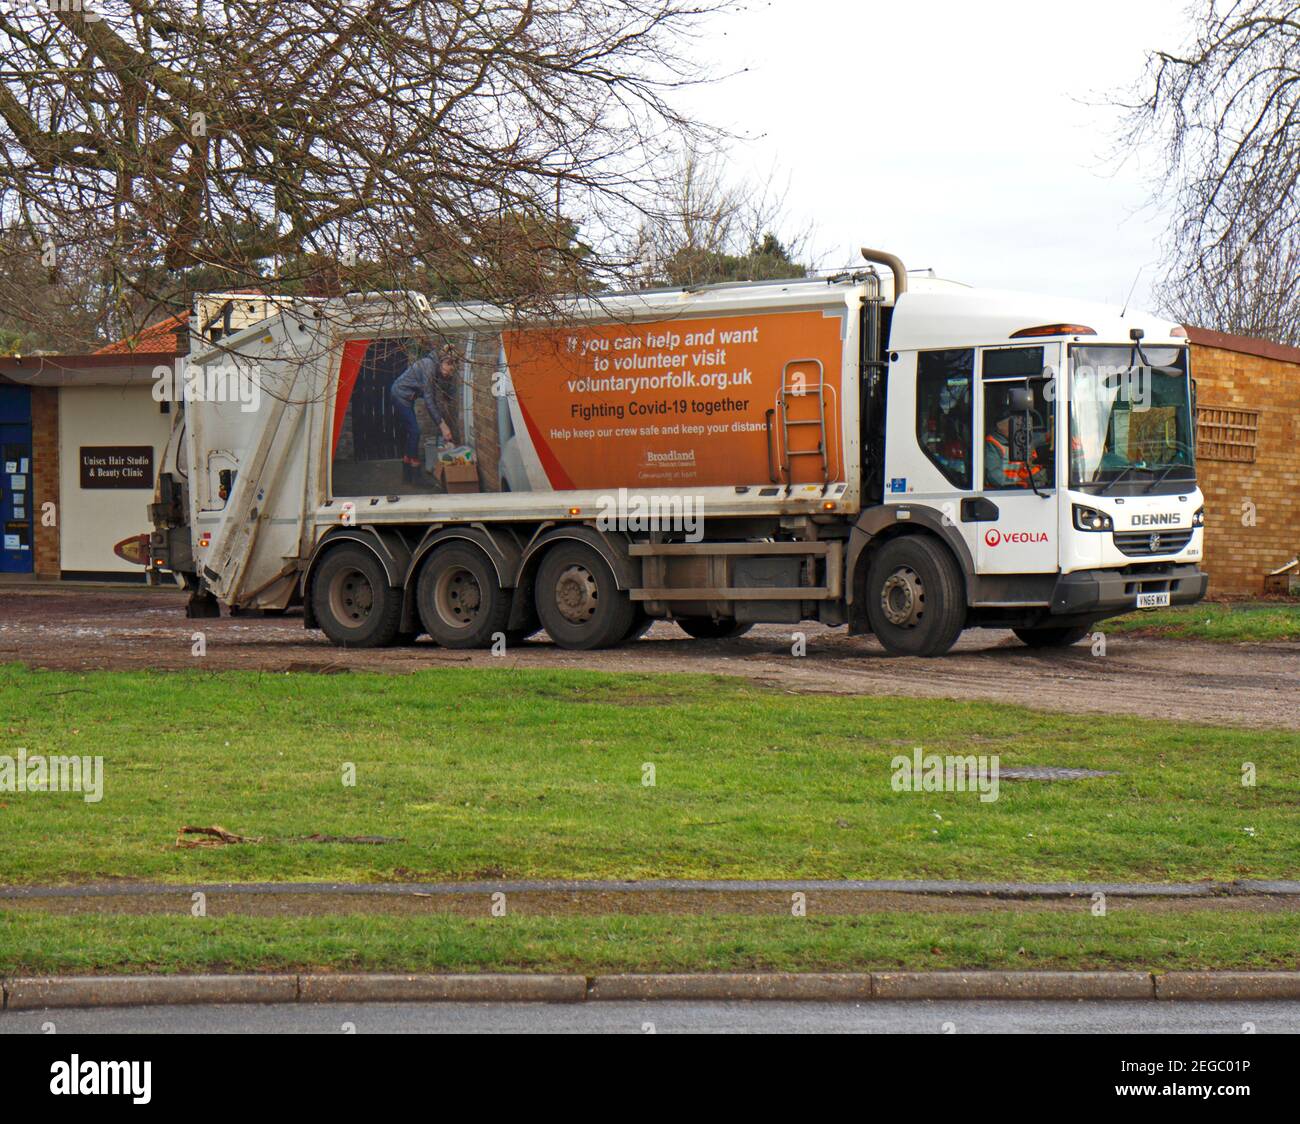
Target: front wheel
(916, 600)
(1050, 637)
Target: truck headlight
(1198, 520)
(1090, 519)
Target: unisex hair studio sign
(117, 466)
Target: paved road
(921, 1017)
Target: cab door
(1015, 511)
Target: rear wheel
(1050, 637)
(915, 598)
(578, 600)
(706, 628)
(353, 602)
(461, 602)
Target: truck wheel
(353, 602)
(1050, 637)
(705, 628)
(461, 602)
(578, 600)
(915, 598)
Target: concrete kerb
(47, 992)
(1013, 985)
(51, 992)
(363, 988)
(826, 987)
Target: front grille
(1138, 544)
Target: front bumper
(1102, 592)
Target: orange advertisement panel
(683, 402)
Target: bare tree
(704, 228)
(453, 146)
(1227, 110)
(58, 291)
(1251, 290)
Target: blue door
(17, 549)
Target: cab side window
(1029, 463)
(944, 411)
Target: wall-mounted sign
(117, 466)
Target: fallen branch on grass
(216, 836)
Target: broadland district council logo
(994, 537)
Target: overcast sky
(965, 137)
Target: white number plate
(1152, 600)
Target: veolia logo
(994, 537)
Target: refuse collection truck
(905, 456)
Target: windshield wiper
(1126, 470)
(1168, 469)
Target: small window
(944, 411)
(1033, 464)
(1013, 363)
(1226, 435)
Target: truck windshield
(1130, 420)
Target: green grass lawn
(36, 943)
(1249, 623)
(523, 774)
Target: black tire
(916, 599)
(578, 600)
(1051, 637)
(705, 628)
(353, 602)
(460, 599)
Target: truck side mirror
(1020, 399)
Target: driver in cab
(1005, 467)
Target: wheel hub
(458, 597)
(902, 598)
(576, 594)
(352, 598)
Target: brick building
(80, 436)
(1248, 457)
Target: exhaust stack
(895, 264)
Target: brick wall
(45, 479)
(1237, 554)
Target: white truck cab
(1054, 441)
